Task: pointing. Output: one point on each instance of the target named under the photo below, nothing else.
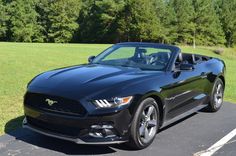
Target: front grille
(60, 129)
(63, 105)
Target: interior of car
(162, 58)
(152, 58)
(186, 58)
(158, 58)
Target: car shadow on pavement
(24, 135)
(13, 124)
(53, 144)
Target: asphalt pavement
(190, 136)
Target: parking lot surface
(191, 136)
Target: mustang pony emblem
(50, 102)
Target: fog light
(96, 135)
(102, 131)
(108, 133)
(101, 126)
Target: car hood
(88, 80)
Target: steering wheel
(154, 60)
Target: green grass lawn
(20, 62)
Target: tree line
(190, 22)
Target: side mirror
(91, 58)
(186, 67)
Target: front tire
(145, 124)
(216, 99)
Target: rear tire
(216, 98)
(145, 124)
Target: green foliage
(63, 15)
(234, 40)
(42, 8)
(227, 14)
(139, 21)
(204, 22)
(99, 20)
(23, 21)
(208, 27)
(3, 20)
(167, 16)
(185, 25)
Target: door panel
(185, 93)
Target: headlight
(114, 102)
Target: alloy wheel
(218, 96)
(148, 124)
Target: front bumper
(79, 129)
(68, 138)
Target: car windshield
(136, 56)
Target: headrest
(140, 53)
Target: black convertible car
(125, 94)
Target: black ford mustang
(125, 94)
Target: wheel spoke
(152, 123)
(142, 130)
(150, 111)
(146, 134)
(143, 115)
(218, 88)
